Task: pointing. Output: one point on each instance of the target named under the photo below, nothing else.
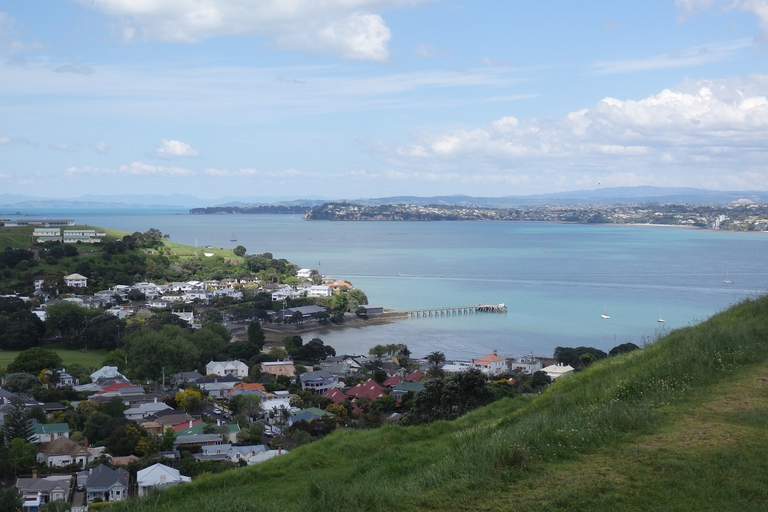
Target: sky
(357, 99)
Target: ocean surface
(556, 279)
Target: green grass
(676, 426)
(86, 358)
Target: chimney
(218, 422)
(495, 353)
(34, 473)
(51, 437)
(190, 423)
(155, 399)
(85, 443)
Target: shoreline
(274, 334)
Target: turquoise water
(556, 279)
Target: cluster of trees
(581, 357)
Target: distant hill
(12, 202)
(677, 425)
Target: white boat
(726, 280)
(233, 238)
(604, 315)
(660, 320)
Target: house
(309, 415)
(370, 389)
(48, 432)
(76, 281)
(336, 395)
(492, 364)
(403, 388)
(36, 492)
(196, 432)
(247, 388)
(319, 291)
(526, 364)
(141, 411)
(227, 368)
(109, 373)
(304, 273)
(555, 371)
(158, 476)
(286, 293)
(106, 484)
(318, 381)
(217, 387)
(63, 452)
(278, 368)
(306, 311)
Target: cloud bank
(349, 28)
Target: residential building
(526, 364)
(555, 371)
(63, 452)
(278, 368)
(107, 484)
(76, 280)
(48, 432)
(227, 368)
(158, 476)
(492, 364)
(36, 492)
(318, 381)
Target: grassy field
(87, 358)
(679, 425)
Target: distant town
(742, 216)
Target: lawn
(86, 358)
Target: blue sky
(371, 98)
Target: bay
(556, 279)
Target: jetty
(458, 310)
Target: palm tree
(436, 359)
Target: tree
(256, 335)
(16, 423)
(66, 319)
(170, 350)
(436, 358)
(21, 328)
(540, 379)
(11, 499)
(169, 436)
(21, 456)
(623, 349)
(239, 251)
(114, 407)
(34, 360)
(189, 399)
(450, 398)
(19, 382)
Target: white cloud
(687, 57)
(101, 146)
(60, 147)
(758, 7)
(133, 169)
(175, 149)
(712, 129)
(79, 69)
(349, 28)
(4, 140)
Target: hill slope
(679, 425)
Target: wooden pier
(459, 310)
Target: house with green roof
(48, 432)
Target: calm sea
(556, 279)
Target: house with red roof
(370, 389)
(414, 376)
(492, 364)
(392, 381)
(336, 395)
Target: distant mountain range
(14, 202)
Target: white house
(63, 452)
(304, 273)
(319, 291)
(526, 364)
(158, 476)
(226, 368)
(492, 364)
(76, 280)
(555, 371)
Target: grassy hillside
(679, 425)
(86, 358)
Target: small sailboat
(233, 238)
(604, 315)
(726, 280)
